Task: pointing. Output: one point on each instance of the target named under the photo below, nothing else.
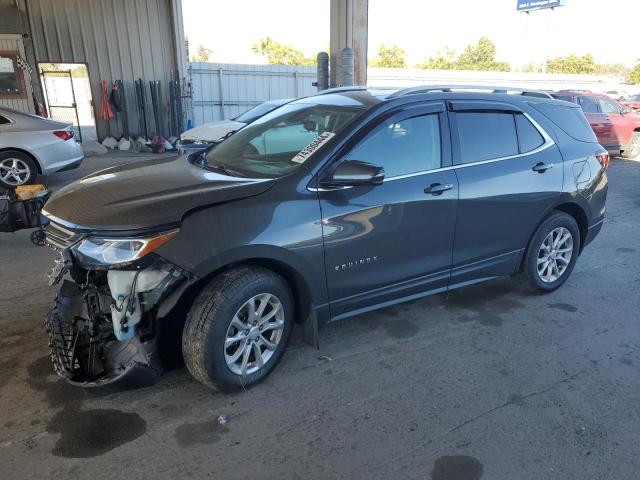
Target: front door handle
(541, 167)
(438, 188)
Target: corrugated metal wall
(224, 90)
(117, 39)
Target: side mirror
(354, 172)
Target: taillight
(64, 134)
(603, 158)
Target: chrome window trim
(417, 174)
(548, 142)
(10, 122)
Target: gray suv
(327, 207)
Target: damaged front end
(103, 329)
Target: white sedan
(30, 145)
(216, 131)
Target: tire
(215, 316)
(634, 147)
(16, 168)
(549, 279)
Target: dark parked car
(400, 195)
(617, 127)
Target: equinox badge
(356, 263)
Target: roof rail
(567, 90)
(341, 89)
(529, 92)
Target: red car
(616, 126)
(632, 102)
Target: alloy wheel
(254, 334)
(14, 171)
(555, 254)
(634, 148)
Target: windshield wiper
(219, 167)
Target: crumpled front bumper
(88, 363)
(84, 348)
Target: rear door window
(588, 104)
(486, 135)
(607, 106)
(401, 147)
(529, 138)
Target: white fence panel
(223, 90)
(407, 77)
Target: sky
(422, 27)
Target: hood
(212, 132)
(143, 195)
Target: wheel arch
(571, 208)
(579, 215)
(26, 152)
(300, 288)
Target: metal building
(114, 40)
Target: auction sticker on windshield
(307, 151)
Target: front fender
(263, 228)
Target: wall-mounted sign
(529, 5)
(6, 65)
(11, 76)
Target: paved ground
(487, 383)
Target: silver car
(30, 145)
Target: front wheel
(552, 252)
(238, 328)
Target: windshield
(634, 98)
(256, 112)
(279, 142)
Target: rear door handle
(438, 188)
(542, 167)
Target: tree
(634, 75)
(481, 56)
(443, 60)
(390, 57)
(532, 67)
(572, 64)
(279, 54)
(617, 69)
(202, 54)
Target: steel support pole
(349, 27)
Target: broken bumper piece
(88, 350)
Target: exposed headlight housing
(114, 251)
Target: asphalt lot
(486, 382)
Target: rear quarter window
(529, 137)
(570, 119)
(4, 120)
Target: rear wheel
(238, 328)
(16, 168)
(634, 147)
(552, 252)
